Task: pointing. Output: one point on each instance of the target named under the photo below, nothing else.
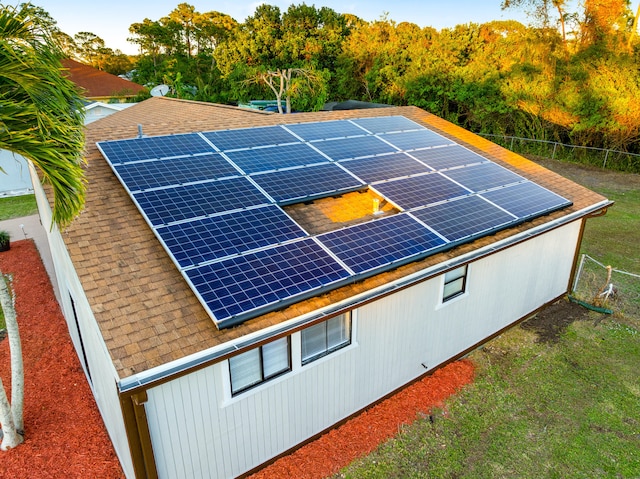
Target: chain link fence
(601, 157)
(606, 288)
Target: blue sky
(110, 19)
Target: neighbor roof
(147, 313)
(97, 84)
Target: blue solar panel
(264, 280)
(483, 176)
(526, 200)
(448, 157)
(298, 184)
(208, 239)
(192, 201)
(144, 175)
(250, 137)
(419, 190)
(387, 124)
(326, 129)
(412, 140)
(125, 151)
(353, 147)
(379, 243)
(385, 167)
(464, 218)
(274, 158)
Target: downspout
(138, 435)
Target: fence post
(555, 145)
(512, 138)
(605, 159)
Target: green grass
(17, 206)
(565, 409)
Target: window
(454, 283)
(325, 337)
(259, 365)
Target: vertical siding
(199, 432)
(103, 373)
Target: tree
(41, 118)
(41, 111)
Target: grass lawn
(17, 206)
(563, 406)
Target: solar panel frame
(465, 218)
(373, 169)
(415, 140)
(356, 147)
(303, 184)
(526, 200)
(250, 137)
(420, 190)
(382, 243)
(387, 124)
(483, 176)
(153, 147)
(144, 175)
(451, 156)
(244, 286)
(325, 130)
(209, 239)
(275, 158)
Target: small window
(455, 282)
(259, 365)
(326, 337)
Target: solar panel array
(214, 200)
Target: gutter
(163, 373)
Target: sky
(110, 19)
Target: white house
(189, 390)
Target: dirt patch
(551, 322)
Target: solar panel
(196, 242)
(483, 176)
(264, 280)
(275, 158)
(526, 200)
(380, 168)
(353, 147)
(420, 190)
(387, 124)
(250, 137)
(413, 140)
(146, 148)
(379, 243)
(143, 175)
(326, 129)
(464, 218)
(448, 157)
(299, 184)
(192, 201)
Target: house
(190, 387)
(96, 110)
(98, 85)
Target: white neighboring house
(180, 398)
(97, 110)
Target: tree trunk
(10, 437)
(15, 346)
(288, 89)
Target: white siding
(198, 431)
(103, 373)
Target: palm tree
(41, 112)
(41, 118)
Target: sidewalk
(30, 227)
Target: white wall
(15, 179)
(103, 373)
(199, 431)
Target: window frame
(449, 281)
(263, 379)
(328, 349)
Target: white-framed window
(259, 365)
(455, 283)
(325, 338)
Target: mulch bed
(65, 435)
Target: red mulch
(64, 433)
(65, 436)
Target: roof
(98, 84)
(147, 313)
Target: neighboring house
(100, 86)
(15, 179)
(183, 395)
(96, 110)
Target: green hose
(590, 306)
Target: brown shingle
(97, 84)
(147, 312)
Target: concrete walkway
(30, 227)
